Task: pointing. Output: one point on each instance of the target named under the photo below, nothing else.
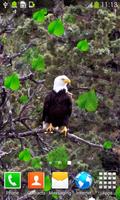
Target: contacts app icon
(36, 180)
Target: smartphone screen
(60, 100)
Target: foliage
(83, 45)
(55, 196)
(36, 162)
(58, 158)
(12, 82)
(56, 27)
(35, 59)
(70, 19)
(48, 184)
(25, 155)
(38, 64)
(117, 193)
(30, 54)
(23, 99)
(39, 15)
(107, 145)
(95, 34)
(88, 101)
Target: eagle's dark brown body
(57, 108)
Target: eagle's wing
(46, 107)
(69, 104)
(49, 102)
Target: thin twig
(27, 196)
(21, 52)
(30, 77)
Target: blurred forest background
(30, 59)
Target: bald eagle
(57, 106)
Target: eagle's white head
(60, 83)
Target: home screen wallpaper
(59, 100)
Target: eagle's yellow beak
(67, 81)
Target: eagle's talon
(50, 128)
(64, 131)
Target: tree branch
(6, 28)
(40, 131)
(7, 59)
(27, 196)
(21, 52)
(30, 77)
(3, 153)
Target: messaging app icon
(60, 180)
(12, 180)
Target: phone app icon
(60, 180)
(36, 180)
(12, 180)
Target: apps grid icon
(107, 180)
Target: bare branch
(28, 195)
(30, 77)
(79, 140)
(6, 28)
(7, 59)
(21, 52)
(40, 131)
(10, 117)
(26, 105)
(3, 153)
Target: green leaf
(55, 196)
(117, 193)
(70, 19)
(12, 82)
(48, 184)
(38, 64)
(25, 155)
(88, 101)
(30, 54)
(83, 45)
(23, 99)
(58, 158)
(39, 15)
(56, 28)
(81, 101)
(36, 162)
(108, 145)
(7, 81)
(92, 101)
